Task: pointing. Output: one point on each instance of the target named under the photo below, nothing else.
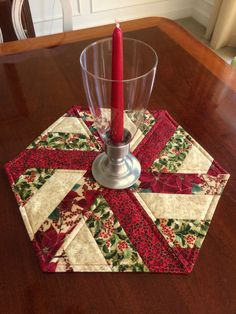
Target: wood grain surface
(38, 85)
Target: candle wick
(117, 23)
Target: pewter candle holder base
(116, 168)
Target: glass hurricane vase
(117, 168)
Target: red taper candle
(117, 96)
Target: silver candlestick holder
(116, 168)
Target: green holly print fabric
(183, 233)
(174, 153)
(112, 239)
(147, 123)
(29, 182)
(66, 141)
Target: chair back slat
(1, 37)
(16, 19)
(16, 16)
(67, 15)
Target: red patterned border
(49, 159)
(155, 140)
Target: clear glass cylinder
(139, 68)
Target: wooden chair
(16, 17)
(1, 37)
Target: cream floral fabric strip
(180, 206)
(196, 161)
(84, 254)
(70, 125)
(39, 207)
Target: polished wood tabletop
(40, 79)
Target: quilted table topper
(157, 225)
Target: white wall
(87, 13)
(202, 10)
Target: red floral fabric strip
(155, 140)
(49, 159)
(174, 183)
(157, 255)
(61, 222)
(46, 245)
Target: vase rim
(153, 68)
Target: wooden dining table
(40, 79)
